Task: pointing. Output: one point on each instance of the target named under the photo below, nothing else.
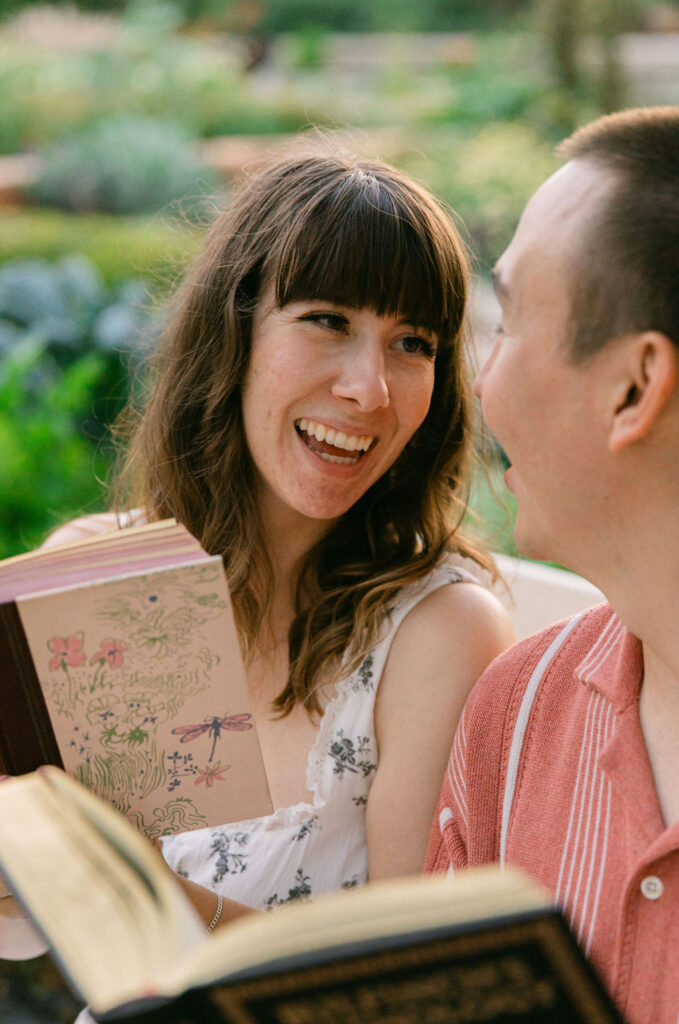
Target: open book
(483, 946)
(120, 662)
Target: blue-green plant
(124, 165)
(66, 342)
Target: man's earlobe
(653, 371)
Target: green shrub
(165, 77)
(491, 178)
(49, 469)
(123, 165)
(486, 177)
(66, 341)
(308, 46)
(67, 307)
(119, 247)
(385, 15)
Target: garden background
(124, 125)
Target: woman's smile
(333, 445)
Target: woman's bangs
(365, 257)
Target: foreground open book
(120, 662)
(484, 946)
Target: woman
(308, 419)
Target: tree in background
(567, 25)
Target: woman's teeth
(338, 459)
(335, 438)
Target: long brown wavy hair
(352, 232)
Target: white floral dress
(316, 847)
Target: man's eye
(499, 330)
(333, 321)
(414, 345)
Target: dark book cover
(526, 969)
(27, 738)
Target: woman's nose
(363, 377)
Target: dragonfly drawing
(213, 726)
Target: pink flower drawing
(66, 651)
(211, 774)
(110, 650)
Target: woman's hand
(19, 940)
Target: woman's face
(331, 397)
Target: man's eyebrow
(499, 286)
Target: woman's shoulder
(466, 618)
(454, 615)
(89, 526)
(450, 569)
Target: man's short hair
(627, 278)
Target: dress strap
(347, 726)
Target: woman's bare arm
(81, 528)
(441, 648)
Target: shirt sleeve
(467, 825)
(447, 851)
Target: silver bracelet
(218, 914)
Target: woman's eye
(499, 330)
(333, 321)
(415, 345)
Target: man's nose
(363, 377)
(477, 386)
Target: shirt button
(652, 887)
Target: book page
(394, 907)
(146, 692)
(102, 556)
(104, 900)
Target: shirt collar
(614, 664)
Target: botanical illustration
(137, 682)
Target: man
(566, 759)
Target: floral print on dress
(304, 829)
(300, 891)
(355, 756)
(363, 679)
(317, 846)
(228, 848)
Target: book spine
(27, 738)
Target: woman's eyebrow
(420, 325)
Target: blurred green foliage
(49, 471)
(153, 248)
(149, 72)
(333, 15)
(486, 178)
(66, 342)
(124, 165)
(492, 508)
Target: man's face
(542, 407)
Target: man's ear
(652, 370)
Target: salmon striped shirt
(549, 772)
